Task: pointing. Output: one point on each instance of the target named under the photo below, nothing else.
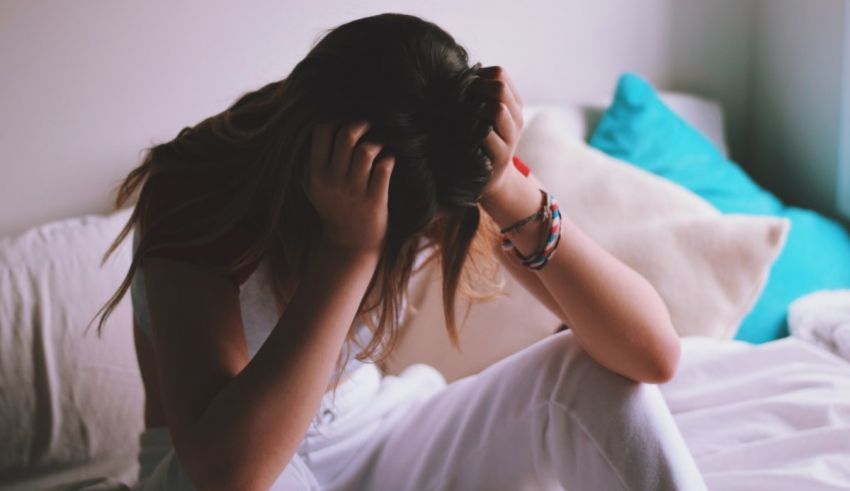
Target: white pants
(548, 417)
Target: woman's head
(408, 78)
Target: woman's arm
(614, 312)
(530, 281)
(237, 423)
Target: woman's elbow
(665, 363)
(215, 472)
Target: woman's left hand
(504, 107)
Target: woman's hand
(504, 107)
(349, 187)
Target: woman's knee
(562, 355)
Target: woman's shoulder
(182, 204)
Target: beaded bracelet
(551, 239)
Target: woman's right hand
(349, 187)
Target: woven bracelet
(549, 242)
(515, 227)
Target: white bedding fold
(823, 318)
(774, 416)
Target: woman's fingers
(342, 158)
(362, 163)
(379, 183)
(348, 185)
(502, 120)
(343, 148)
(498, 72)
(498, 90)
(514, 92)
(495, 147)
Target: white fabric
(823, 318)
(545, 418)
(772, 417)
(71, 403)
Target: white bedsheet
(774, 416)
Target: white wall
(797, 83)
(710, 54)
(86, 85)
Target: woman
(281, 233)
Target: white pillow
(71, 404)
(708, 267)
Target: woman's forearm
(255, 423)
(615, 313)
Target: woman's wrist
(516, 198)
(550, 217)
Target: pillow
(71, 403)
(639, 128)
(708, 268)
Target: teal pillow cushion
(639, 128)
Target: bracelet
(515, 227)
(507, 245)
(550, 240)
(544, 228)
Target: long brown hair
(406, 76)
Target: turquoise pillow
(639, 128)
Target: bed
(773, 416)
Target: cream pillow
(708, 267)
(71, 403)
